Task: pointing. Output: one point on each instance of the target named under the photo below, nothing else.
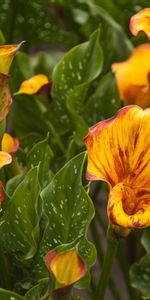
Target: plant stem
(100, 256)
(112, 246)
(57, 137)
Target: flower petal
(5, 159)
(5, 97)
(132, 77)
(67, 266)
(9, 144)
(33, 85)
(7, 53)
(141, 22)
(129, 208)
(119, 148)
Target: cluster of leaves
(47, 204)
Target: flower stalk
(113, 242)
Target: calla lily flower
(35, 85)
(141, 22)
(119, 153)
(133, 77)
(7, 53)
(5, 96)
(67, 266)
(5, 159)
(9, 144)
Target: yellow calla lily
(67, 266)
(141, 22)
(7, 53)
(119, 153)
(5, 159)
(133, 77)
(34, 85)
(9, 144)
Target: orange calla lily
(5, 97)
(7, 53)
(133, 77)
(141, 22)
(67, 266)
(9, 144)
(34, 85)
(119, 153)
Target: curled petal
(5, 97)
(141, 22)
(34, 85)
(9, 144)
(129, 208)
(5, 159)
(132, 77)
(119, 153)
(7, 53)
(67, 267)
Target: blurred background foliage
(74, 43)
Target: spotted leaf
(19, 232)
(68, 211)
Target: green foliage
(140, 272)
(67, 212)
(9, 295)
(20, 230)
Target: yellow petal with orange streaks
(141, 22)
(5, 96)
(5, 159)
(67, 266)
(33, 85)
(132, 77)
(9, 144)
(128, 207)
(7, 53)
(119, 153)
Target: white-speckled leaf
(68, 211)
(41, 154)
(9, 295)
(20, 230)
(72, 77)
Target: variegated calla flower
(67, 266)
(7, 53)
(9, 144)
(35, 85)
(133, 77)
(119, 153)
(141, 22)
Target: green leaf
(67, 211)
(23, 125)
(145, 240)
(140, 275)
(36, 292)
(121, 43)
(41, 154)
(20, 231)
(9, 295)
(71, 80)
(104, 102)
